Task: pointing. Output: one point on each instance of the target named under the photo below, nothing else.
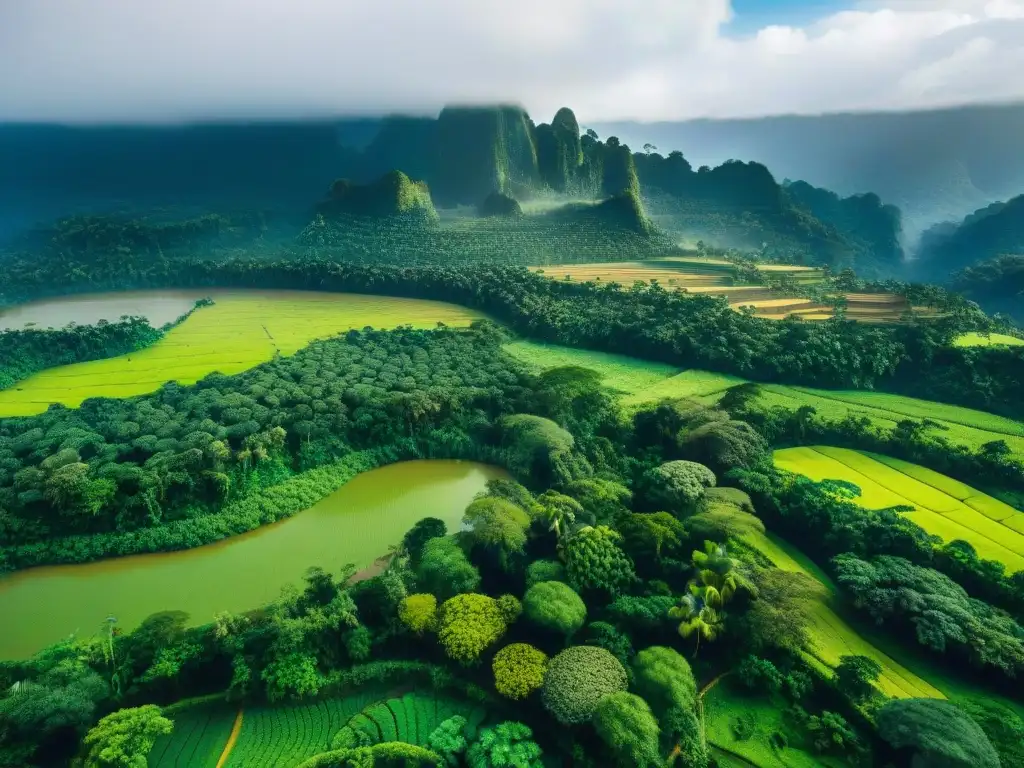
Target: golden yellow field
(241, 330)
(942, 506)
(717, 277)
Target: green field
(637, 381)
(966, 426)
(241, 330)
(287, 735)
(831, 636)
(943, 506)
(281, 736)
(411, 718)
(992, 340)
(747, 726)
(198, 739)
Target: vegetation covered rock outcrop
(393, 194)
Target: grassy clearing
(993, 340)
(199, 736)
(832, 636)
(241, 330)
(750, 727)
(636, 381)
(990, 526)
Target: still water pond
(356, 524)
(158, 307)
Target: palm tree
(698, 617)
(558, 510)
(721, 573)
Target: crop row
(411, 718)
(199, 736)
(287, 735)
(943, 507)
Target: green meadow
(637, 381)
(942, 506)
(991, 340)
(831, 636)
(241, 330)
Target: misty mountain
(48, 170)
(993, 231)
(936, 165)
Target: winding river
(356, 524)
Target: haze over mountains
(938, 165)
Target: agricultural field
(410, 718)
(753, 731)
(991, 340)
(962, 425)
(718, 277)
(200, 734)
(832, 636)
(640, 381)
(636, 381)
(942, 506)
(286, 735)
(241, 330)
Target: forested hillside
(935, 165)
(463, 156)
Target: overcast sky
(146, 60)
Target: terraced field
(637, 381)
(992, 340)
(241, 330)
(832, 636)
(942, 506)
(198, 739)
(719, 278)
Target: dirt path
(235, 730)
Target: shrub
(468, 624)
(678, 485)
(555, 606)
(544, 570)
(510, 608)
(594, 561)
(577, 679)
(506, 745)
(518, 670)
(625, 723)
(418, 612)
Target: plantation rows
(411, 718)
(287, 735)
(198, 739)
(942, 506)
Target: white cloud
(608, 59)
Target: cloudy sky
(172, 60)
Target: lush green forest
(652, 577)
